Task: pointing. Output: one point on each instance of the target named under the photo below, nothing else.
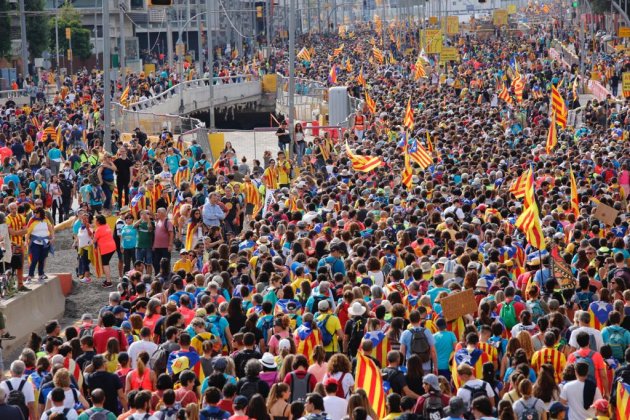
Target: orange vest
(359, 122)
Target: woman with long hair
(505, 411)
(141, 378)
(235, 315)
(414, 374)
(319, 366)
(278, 405)
(104, 242)
(528, 402)
(512, 345)
(40, 236)
(111, 354)
(299, 143)
(257, 409)
(545, 387)
(339, 368)
(366, 403)
(153, 314)
(525, 339)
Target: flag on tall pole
(407, 175)
(529, 221)
(575, 206)
(378, 55)
(419, 71)
(430, 148)
(504, 94)
(518, 84)
(552, 135)
(338, 51)
(408, 120)
(558, 107)
(518, 188)
(124, 97)
(363, 163)
(419, 155)
(368, 377)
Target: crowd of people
(294, 273)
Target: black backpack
(475, 392)
(356, 335)
(249, 388)
(159, 360)
(64, 413)
(93, 176)
(433, 408)
(420, 344)
(16, 397)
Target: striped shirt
(552, 356)
(17, 222)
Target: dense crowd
(295, 273)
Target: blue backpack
(327, 337)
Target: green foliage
(5, 29)
(69, 17)
(37, 33)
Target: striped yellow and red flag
(292, 203)
(529, 223)
(182, 175)
(551, 356)
(371, 104)
(304, 54)
(575, 203)
(518, 84)
(349, 67)
(408, 119)
(623, 400)
(559, 107)
(337, 51)
(430, 147)
(407, 175)
(361, 78)
(380, 345)
(124, 97)
(552, 135)
(190, 236)
(504, 94)
(518, 188)
(306, 338)
(419, 71)
(419, 155)
(252, 196)
(368, 377)
(363, 163)
(378, 55)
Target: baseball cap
(556, 408)
(431, 380)
(180, 364)
(220, 364)
(600, 405)
(323, 305)
(240, 402)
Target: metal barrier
(7, 94)
(336, 130)
(127, 120)
(187, 85)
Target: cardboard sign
(459, 304)
(562, 272)
(606, 214)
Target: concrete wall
(28, 312)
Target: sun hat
(268, 361)
(356, 309)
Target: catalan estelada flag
(306, 339)
(419, 155)
(407, 175)
(623, 400)
(332, 75)
(558, 107)
(304, 54)
(361, 78)
(368, 377)
(600, 311)
(474, 359)
(380, 345)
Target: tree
(5, 29)
(69, 17)
(600, 6)
(37, 33)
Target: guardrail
(190, 84)
(126, 120)
(7, 94)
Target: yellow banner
(432, 41)
(500, 17)
(449, 54)
(511, 9)
(433, 20)
(452, 25)
(624, 32)
(625, 83)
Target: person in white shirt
(336, 407)
(574, 393)
(58, 396)
(144, 344)
(19, 382)
(142, 406)
(470, 384)
(584, 318)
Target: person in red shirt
(104, 241)
(227, 402)
(186, 393)
(591, 357)
(509, 297)
(300, 365)
(103, 334)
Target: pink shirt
(318, 371)
(105, 239)
(161, 233)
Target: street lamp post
(107, 109)
(209, 7)
(291, 72)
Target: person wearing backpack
(299, 380)
(528, 407)
(419, 340)
(432, 403)
(8, 411)
(17, 391)
(616, 336)
(537, 307)
(142, 405)
(330, 328)
(251, 384)
(97, 412)
(58, 396)
(594, 360)
(579, 395)
(335, 406)
(510, 310)
(246, 353)
(355, 329)
(471, 387)
(393, 378)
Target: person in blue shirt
(54, 156)
(405, 342)
(445, 342)
(202, 163)
(12, 177)
(38, 187)
(128, 239)
(434, 291)
(334, 261)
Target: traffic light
(575, 4)
(160, 3)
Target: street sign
(68, 33)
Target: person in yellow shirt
(284, 170)
(184, 263)
(328, 320)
